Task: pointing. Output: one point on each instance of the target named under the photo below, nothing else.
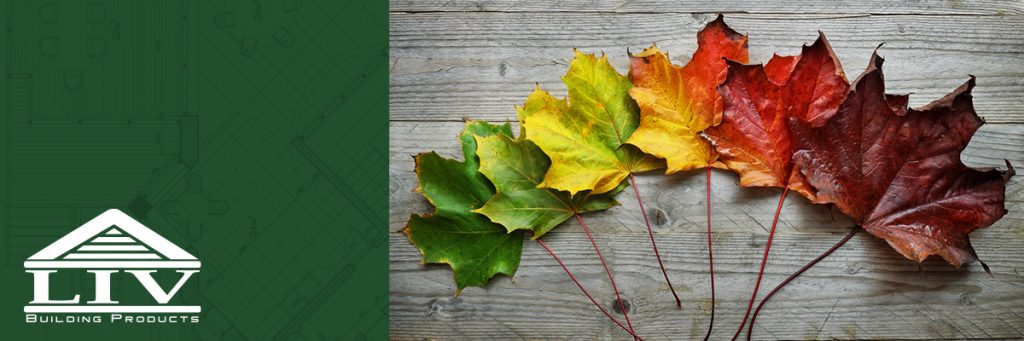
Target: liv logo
(111, 244)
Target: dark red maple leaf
(897, 171)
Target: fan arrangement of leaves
(794, 123)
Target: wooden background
(452, 60)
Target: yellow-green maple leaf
(585, 134)
(516, 167)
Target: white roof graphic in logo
(112, 240)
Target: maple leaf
(677, 103)
(474, 247)
(753, 138)
(517, 167)
(897, 171)
(584, 134)
(583, 137)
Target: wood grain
(447, 66)
(863, 291)
(988, 7)
(477, 59)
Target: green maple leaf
(474, 247)
(517, 167)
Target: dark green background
(251, 133)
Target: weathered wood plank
(729, 6)
(865, 290)
(446, 66)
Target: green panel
(250, 133)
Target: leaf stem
(650, 232)
(764, 260)
(592, 300)
(609, 272)
(711, 260)
(853, 232)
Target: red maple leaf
(897, 171)
(754, 138)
